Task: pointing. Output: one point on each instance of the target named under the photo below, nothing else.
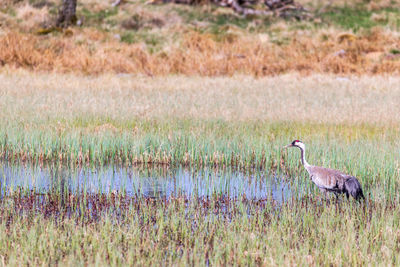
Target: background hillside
(360, 37)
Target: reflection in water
(150, 182)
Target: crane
(329, 180)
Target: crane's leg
(325, 193)
(337, 197)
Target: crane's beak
(290, 145)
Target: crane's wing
(329, 179)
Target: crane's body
(330, 180)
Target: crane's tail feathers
(353, 187)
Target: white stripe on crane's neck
(303, 155)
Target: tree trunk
(66, 15)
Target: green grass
(358, 18)
(95, 18)
(348, 123)
(206, 122)
(351, 125)
(216, 143)
(395, 51)
(215, 20)
(195, 233)
(153, 41)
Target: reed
(239, 122)
(131, 90)
(118, 231)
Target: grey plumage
(330, 180)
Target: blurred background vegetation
(156, 38)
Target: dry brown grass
(35, 99)
(201, 54)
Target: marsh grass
(74, 101)
(119, 231)
(348, 123)
(239, 122)
(351, 124)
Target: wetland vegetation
(153, 135)
(143, 170)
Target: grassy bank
(215, 231)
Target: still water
(149, 182)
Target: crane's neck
(303, 158)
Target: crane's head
(296, 143)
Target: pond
(151, 181)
